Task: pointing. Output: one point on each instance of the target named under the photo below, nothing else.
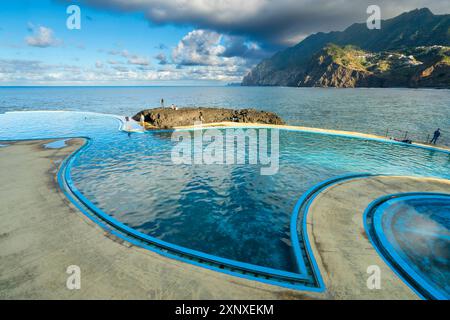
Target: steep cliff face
(378, 58)
(434, 76)
(350, 67)
(335, 67)
(265, 74)
(335, 75)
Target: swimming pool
(412, 231)
(231, 212)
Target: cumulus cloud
(42, 37)
(10, 66)
(121, 68)
(14, 71)
(161, 46)
(131, 58)
(199, 47)
(238, 46)
(209, 48)
(162, 58)
(34, 70)
(122, 53)
(278, 22)
(208, 55)
(138, 60)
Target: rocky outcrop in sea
(169, 118)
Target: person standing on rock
(162, 103)
(142, 120)
(436, 135)
(127, 126)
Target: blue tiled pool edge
(235, 268)
(298, 222)
(391, 258)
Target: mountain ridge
(413, 29)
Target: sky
(165, 42)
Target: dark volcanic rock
(434, 76)
(169, 118)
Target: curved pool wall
(411, 231)
(163, 244)
(299, 281)
(301, 246)
(304, 274)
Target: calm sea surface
(418, 111)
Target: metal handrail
(418, 137)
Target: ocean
(414, 113)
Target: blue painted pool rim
(298, 222)
(375, 232)
(303, 281)
(291, 280)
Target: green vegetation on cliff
(410, 50)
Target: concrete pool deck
(42, 233)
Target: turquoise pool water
(231, 211)
(58, 144)
(413, 231)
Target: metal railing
(420, 137)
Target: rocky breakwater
(165, 118)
